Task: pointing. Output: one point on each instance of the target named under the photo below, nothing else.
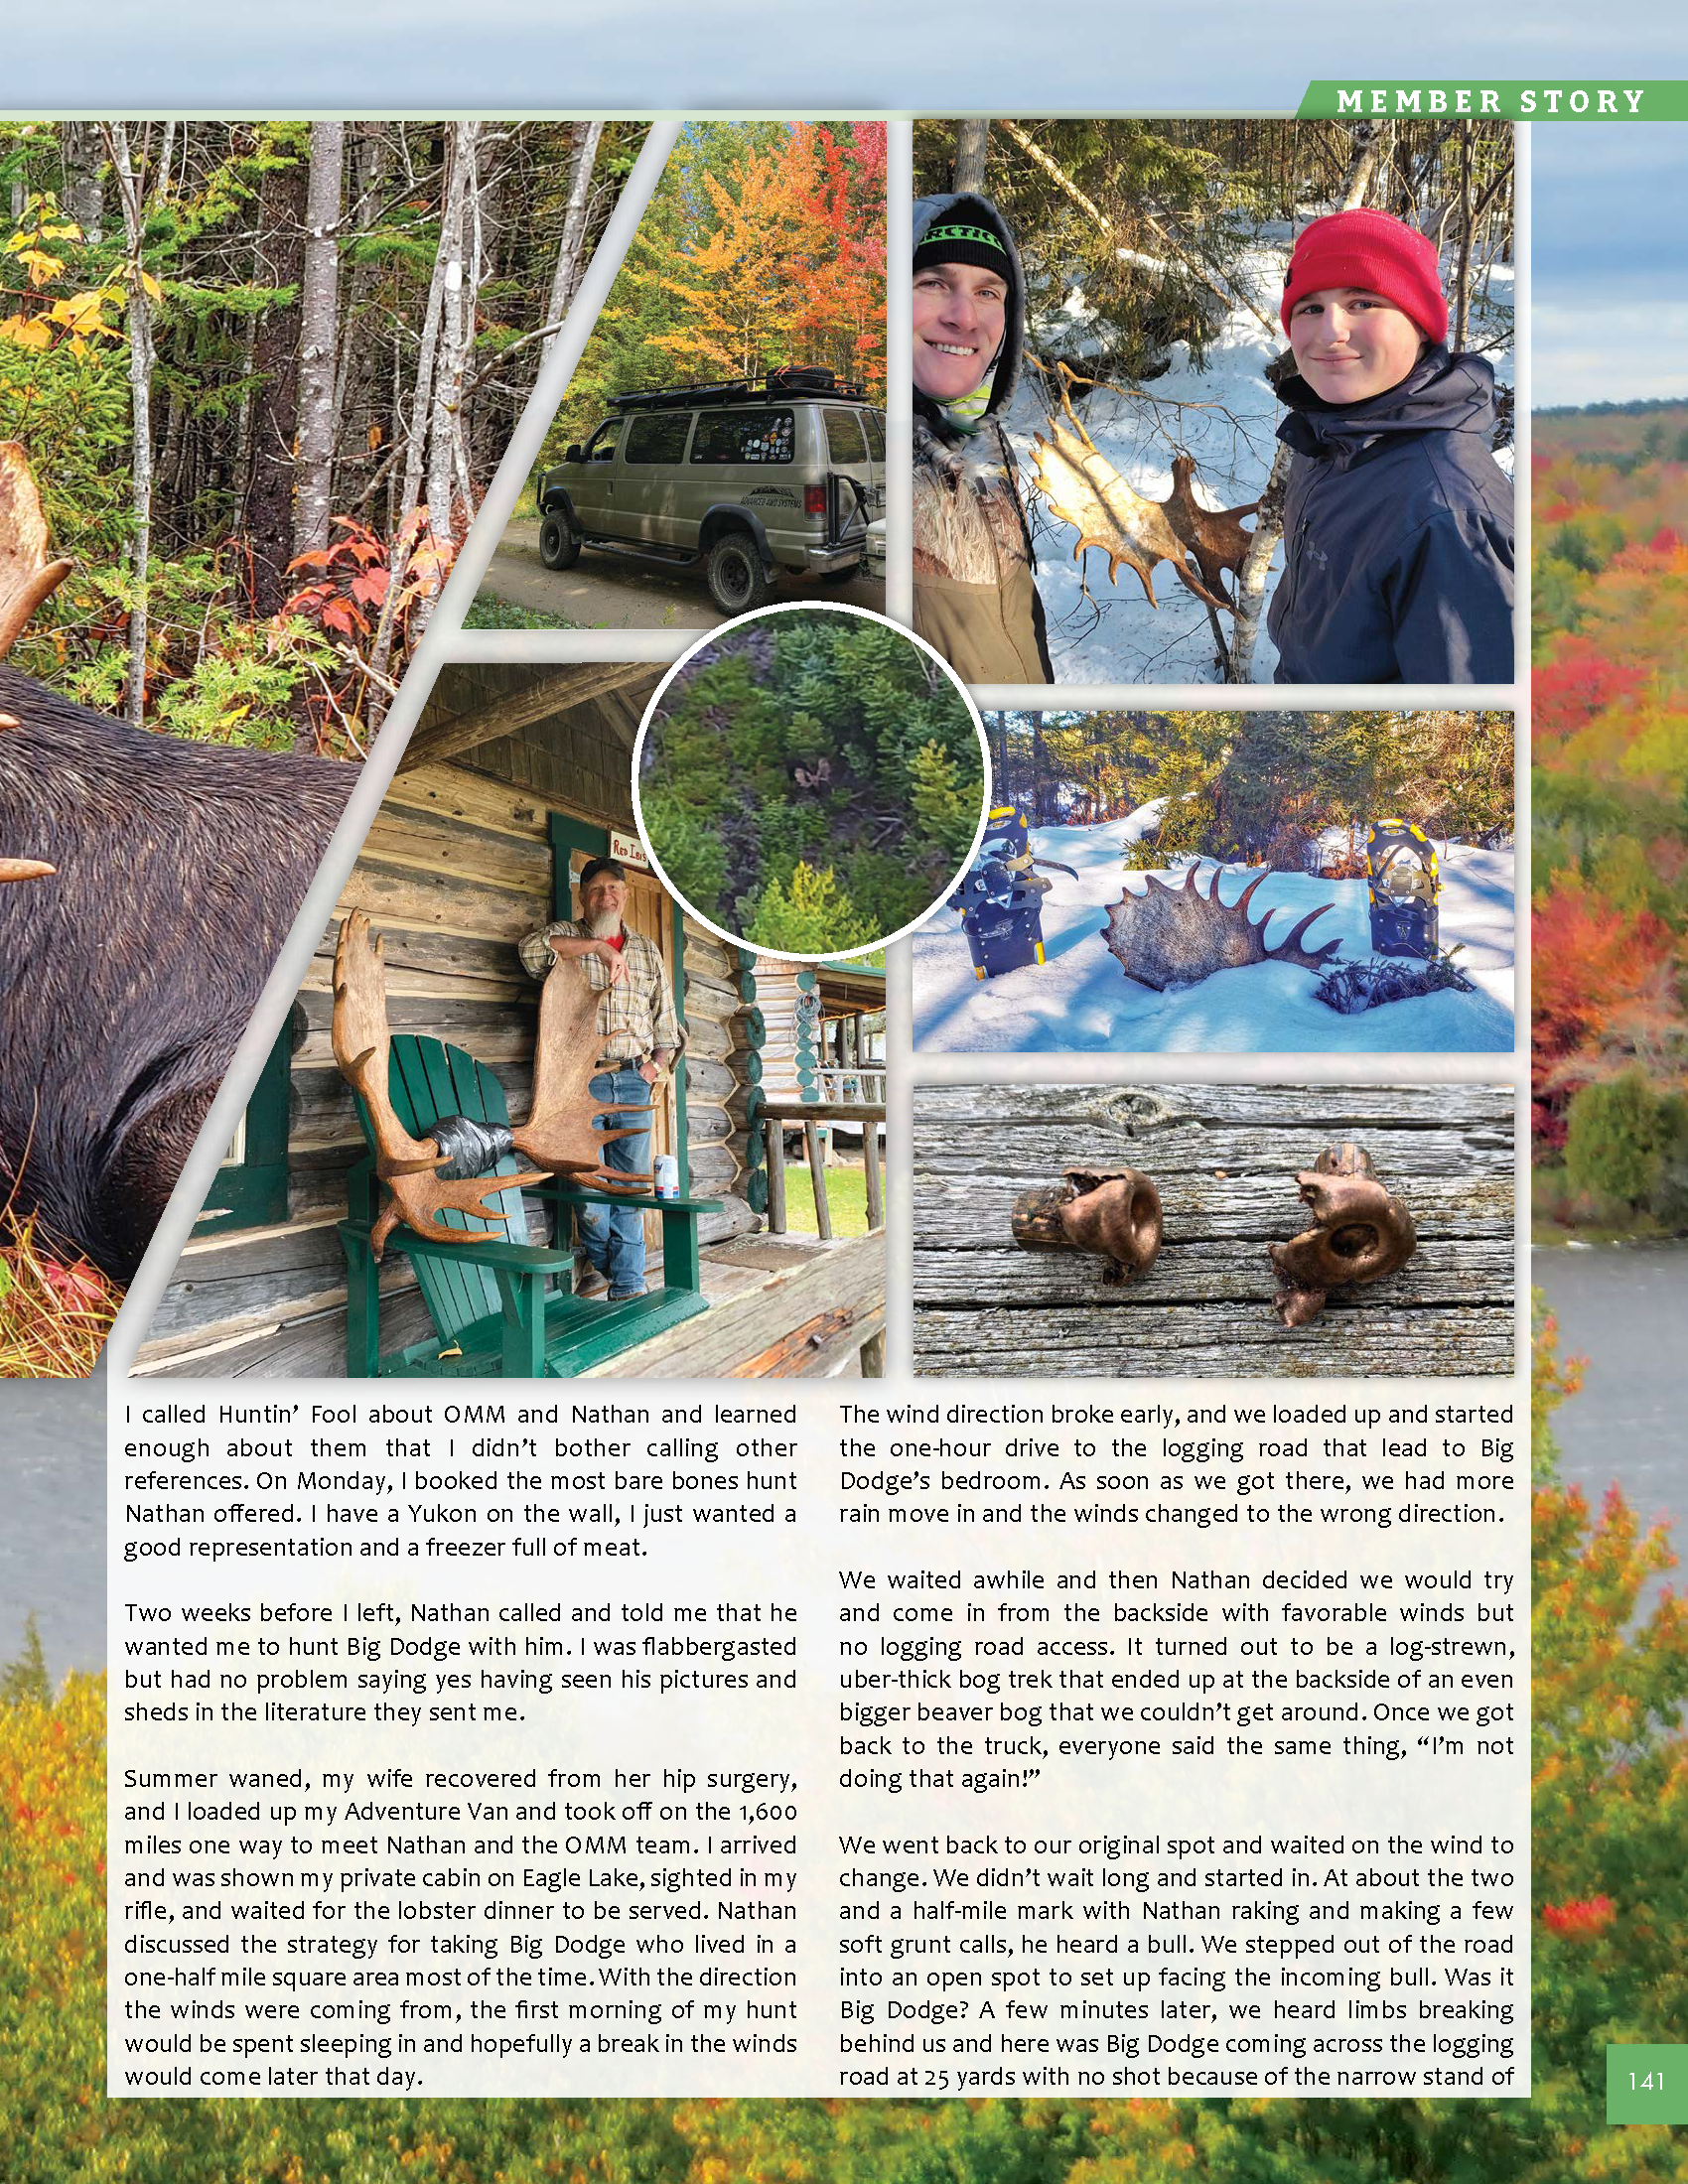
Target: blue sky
(1611, 291)
(1610, 321)
(991, 56)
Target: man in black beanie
(974, 598)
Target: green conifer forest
(811, 781)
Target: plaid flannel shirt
(635, 1016)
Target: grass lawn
(846, 1197)
(486, 612)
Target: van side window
(745, 436)
(602, 445)
(874, 420)
(658, 437)
(844, 437)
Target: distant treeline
(1649, 408)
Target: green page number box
(1647, 2085)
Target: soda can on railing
(667, 1175)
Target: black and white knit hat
(967, 241)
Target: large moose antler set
(27, 577)
(1172, 937)
(448, 1169)
(1083, 488)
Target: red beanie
(1371, 250)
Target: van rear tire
(738, 582)
(559, 540)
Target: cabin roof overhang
(606, 698)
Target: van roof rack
(783, 380)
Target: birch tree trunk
(84, 196)
(972, 144)
(354, 381)
(565, 279)
(131, 187)
(1251, 579)
(318, 322)
(457, 270)
(1462, 279)
(1369, 144)
(416, 430)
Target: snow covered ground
(1228, 416)
(1079, 1000)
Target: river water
(53, 1519)
(1626, 1311)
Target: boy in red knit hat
(1398, 520)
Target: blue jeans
(614, 1236)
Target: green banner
(1646, 2085)
(1496, 101)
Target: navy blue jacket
(1397, 535)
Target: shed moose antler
(448, 1171)
(1083, 488)
(1174, 936)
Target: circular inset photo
(810, 780)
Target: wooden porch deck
(781, 1307)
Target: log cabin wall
(456, 869)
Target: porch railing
(777, 1119)
(850, 1085)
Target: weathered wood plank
(873, 1177)
(1357, 1344)
(849, 1279)
(1223, 1157)
(958, 1216)
(310, 1348)
(713, 1167)
(490, 1030)
(817, 1183)
(706, 1039)
(1130, 1109)
(709, 1080)
(423, 960)
(713, 995)
(1463, 1271)
(257, 1278)
(468, 908)
(708, 1124)
(711, 958)
(433, 842)
(860, 1345)
(456, 793)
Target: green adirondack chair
(500, 1306)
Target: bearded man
(638, 1036)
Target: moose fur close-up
(149, 887)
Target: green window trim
(250, 1191)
